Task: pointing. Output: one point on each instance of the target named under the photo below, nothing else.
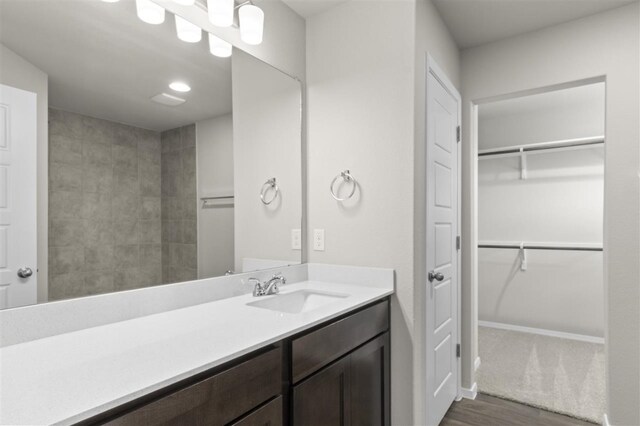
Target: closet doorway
(541, 299)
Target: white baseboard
(470, 393)
(476, 364)
(542, 332)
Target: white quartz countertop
(73, 376)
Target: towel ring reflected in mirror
(347, 178)
(269, 184)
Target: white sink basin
(298, 301)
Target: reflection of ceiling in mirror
(104, 62)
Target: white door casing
(18, 170)
(442, 310)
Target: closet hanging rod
(542, 146)
(539, 247)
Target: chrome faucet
(268, 287)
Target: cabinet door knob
(25, 272)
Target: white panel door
(18, 243)
(442, 257)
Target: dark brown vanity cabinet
(335, 374)
(341, 371)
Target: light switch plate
(318, 239)
(296, 239)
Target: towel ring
(346, 176)
(271, 183)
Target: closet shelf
(563, 145)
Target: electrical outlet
(318, 239)
(296, 239)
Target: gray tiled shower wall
(105, 206)
(179, 204)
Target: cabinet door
(323, 399)
(369, 380)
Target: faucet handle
(257, 289)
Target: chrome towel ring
(269, 184)
(346, 176)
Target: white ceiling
(104, 62)
(475, 22)
(307, 8)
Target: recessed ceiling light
(179, 86)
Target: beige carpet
(562, 375)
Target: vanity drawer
(216, 400)
(269, 414)
(320, 347)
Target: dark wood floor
(490, 411)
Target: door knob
(438, 276)
(25, 272)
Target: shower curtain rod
(567, 143)
(539, 247)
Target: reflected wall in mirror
(148, 183)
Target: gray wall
(365, 86)
(179, 215)
(214, 141)
(605, 45)
(104, 206)
(15, 71)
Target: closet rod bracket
(523, 164)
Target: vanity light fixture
(221, 12)
(218, 47)
(185, 2)
(187, 31)
(180, 86)
(251, 23)
(149, 12)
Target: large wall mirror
(165, 163)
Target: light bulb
(221, 12)
(187, 31)
(149, 12)
(251, 24)
(218, 47)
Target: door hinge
(458, 350)
(458, 243)
(458, 131)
